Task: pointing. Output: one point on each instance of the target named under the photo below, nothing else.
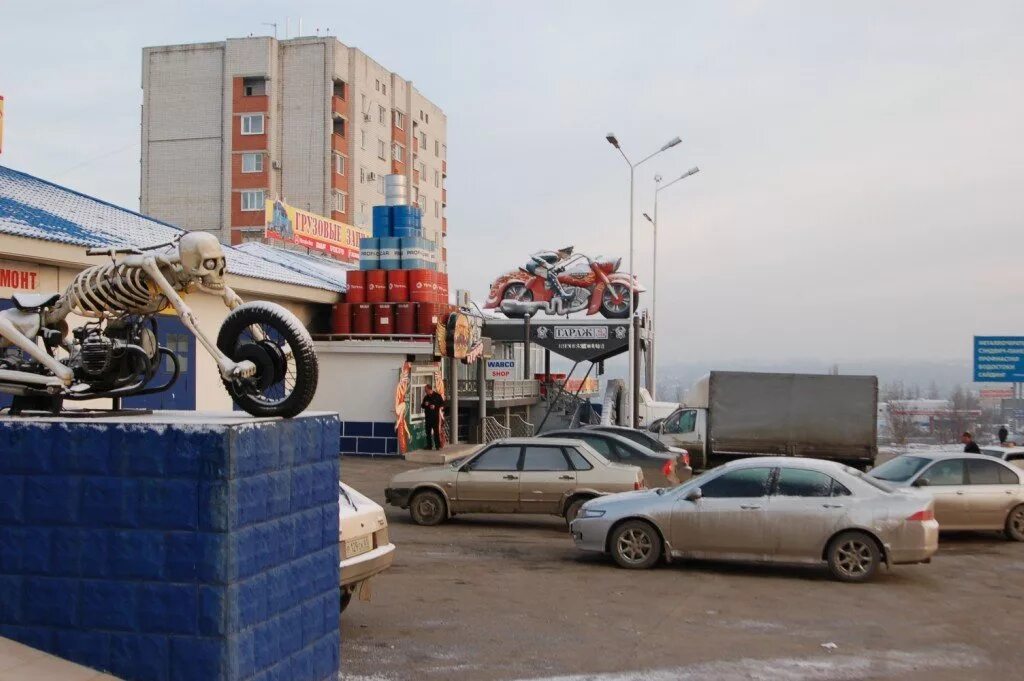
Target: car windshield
(900, 469)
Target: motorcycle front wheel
(278, 344)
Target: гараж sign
(582, 342)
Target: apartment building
(309, 120)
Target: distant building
(309, 120)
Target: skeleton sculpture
(264, 354)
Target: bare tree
(901, 421)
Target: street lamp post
(632, 414)
(654, 278)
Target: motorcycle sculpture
(598, 288)
(264, 354)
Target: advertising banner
(500, 370)
(998, 359)
(330, 237)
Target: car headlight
(591, 513)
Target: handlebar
(127, 250)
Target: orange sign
(330, 237)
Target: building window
(252, 124)
(382, 115)
(254, 86)
(437, 148)
(252, 162)
(378, 85)
(423, 140)
(444, 152)
(381, 150)
(416, 195)
(339, 201)
(339, 89)
(400, 120)
(362, 139)
(252, 200)
(437, 179)
(384, 88)
(339, 127)
(339, 164)
(380, 184)
(437, 209)
(362, 174)
(398, 153)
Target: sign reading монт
(999, 359)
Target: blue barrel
(418, 253)
(381, 221)
(390, 253)
(369, 253)
(407, 232)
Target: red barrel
(356, 280)
(398, 286)
(341, 318)
(427, 317)
(384, 318)
(362, 318)
(376, 286)
(419, 286)
(405, 318)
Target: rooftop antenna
(267, 23)
(300, 28)
(286, 28)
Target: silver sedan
(769, 509)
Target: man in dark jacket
(432, 405)
(970, 446)
(1003, 435)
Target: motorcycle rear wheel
(612, 309)
(286, 364)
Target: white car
(363, 543)
(1011, 455)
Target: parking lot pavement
(509, 598)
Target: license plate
(353, 547)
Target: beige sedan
(971, 491)
(517, 475)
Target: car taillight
(921, 516)
(666, 470)
(639, 484)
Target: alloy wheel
(854, 557)
(635, 545)
(1017, 521)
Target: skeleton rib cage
(111, 290)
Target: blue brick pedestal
(175, 546)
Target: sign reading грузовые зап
(999, 359)
(500, 370)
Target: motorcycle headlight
(591, 513)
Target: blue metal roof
(37, 209)
(330, 270)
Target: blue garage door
(182, 395)
(173, 335)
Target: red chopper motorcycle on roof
(599, 287)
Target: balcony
(502, 393)
(444, 197)
(444, 226)
(338, 106)
(444, 167)
(338, 143)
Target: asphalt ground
(509, 598)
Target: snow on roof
(331, 271)
(37, 209)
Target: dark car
(642, 437)
(660, 468)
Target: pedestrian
(970, 446)
(1003, 435)
(432, 405)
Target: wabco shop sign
(998, 359)
(500, 369)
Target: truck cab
(686, 427)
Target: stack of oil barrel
(398, 288)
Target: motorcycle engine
(96, 355)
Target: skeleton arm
(228, 367)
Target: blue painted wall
(369, 438)
(173, 552)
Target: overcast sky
(862, 178)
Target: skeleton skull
(202, 258)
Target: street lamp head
(648, 218)
(671, 143)
(612, 139)
(657, 178)
(692, 171)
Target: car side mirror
(694, 494)
(920, 482)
